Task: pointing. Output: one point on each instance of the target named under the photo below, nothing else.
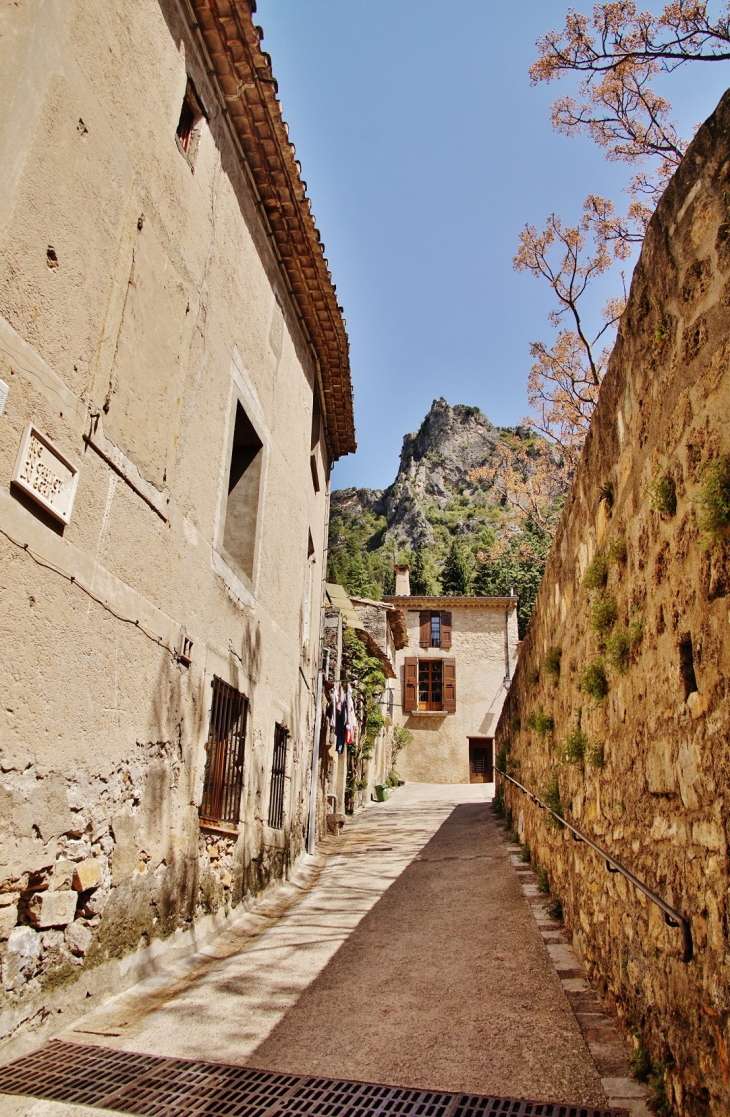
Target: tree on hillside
(455, 576)
(422, 573)
(519, 566)
(533, 477)
(617, 52)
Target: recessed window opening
(316, 420)
(309, 572)
(435, 629)
(223, 782)
(686, 665)
(190, 123)
(278, 776)
(430, 684)
(244, 481)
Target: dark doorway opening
(481, 759)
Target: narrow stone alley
(407, 954)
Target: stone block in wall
(52, 909)
(87, 875)
(125, 855)
(8, 917)
(62, 876)
(24, 946)
(79, 938)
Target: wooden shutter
(410, 686)
(425, 638)
(449, 686)
(446, 630)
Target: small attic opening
(192, 118)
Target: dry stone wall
(619, 708)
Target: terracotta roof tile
(243, 74)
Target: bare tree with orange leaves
(616, 52)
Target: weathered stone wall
(138, 303)
(659, 803)
(439, 751)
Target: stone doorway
(481, 759)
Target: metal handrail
(671, 917)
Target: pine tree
(455, 576)
(421, 574)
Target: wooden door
(481, 763)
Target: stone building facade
(619, 709)
(175, 386)
(381, 628)
(454, 668)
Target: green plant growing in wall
(604, 614)
(514, 723)
(550, 795)
(525, 853)
(593, 680)
(575, 747)
(554, 910)
(617, 551)
(508, 819)
(595, 756)
(662, 331)
(662, 493)
(713, 501)
(596, 574)
(605, 494)
(540, 722)
(618, 650)
(636, 630)
(542, 880)
(533, 676)
(551, 663)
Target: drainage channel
(150, 1086)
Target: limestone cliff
(434, 498)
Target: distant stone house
(454, 669)
(174, 388)
(380, 627)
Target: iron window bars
(278, 774)
(225, 752)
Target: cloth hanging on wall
(340, 716)
(351, 720)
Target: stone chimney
(402, 580)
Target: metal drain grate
(148, 1086)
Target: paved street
(413, 959)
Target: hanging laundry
(351, 720)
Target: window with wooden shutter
(449, 686)
(446, 630)
(410, 686)
(425, 637)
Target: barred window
(225, 750)
(278, 775)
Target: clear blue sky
(425, 151)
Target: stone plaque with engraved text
(45, 474)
